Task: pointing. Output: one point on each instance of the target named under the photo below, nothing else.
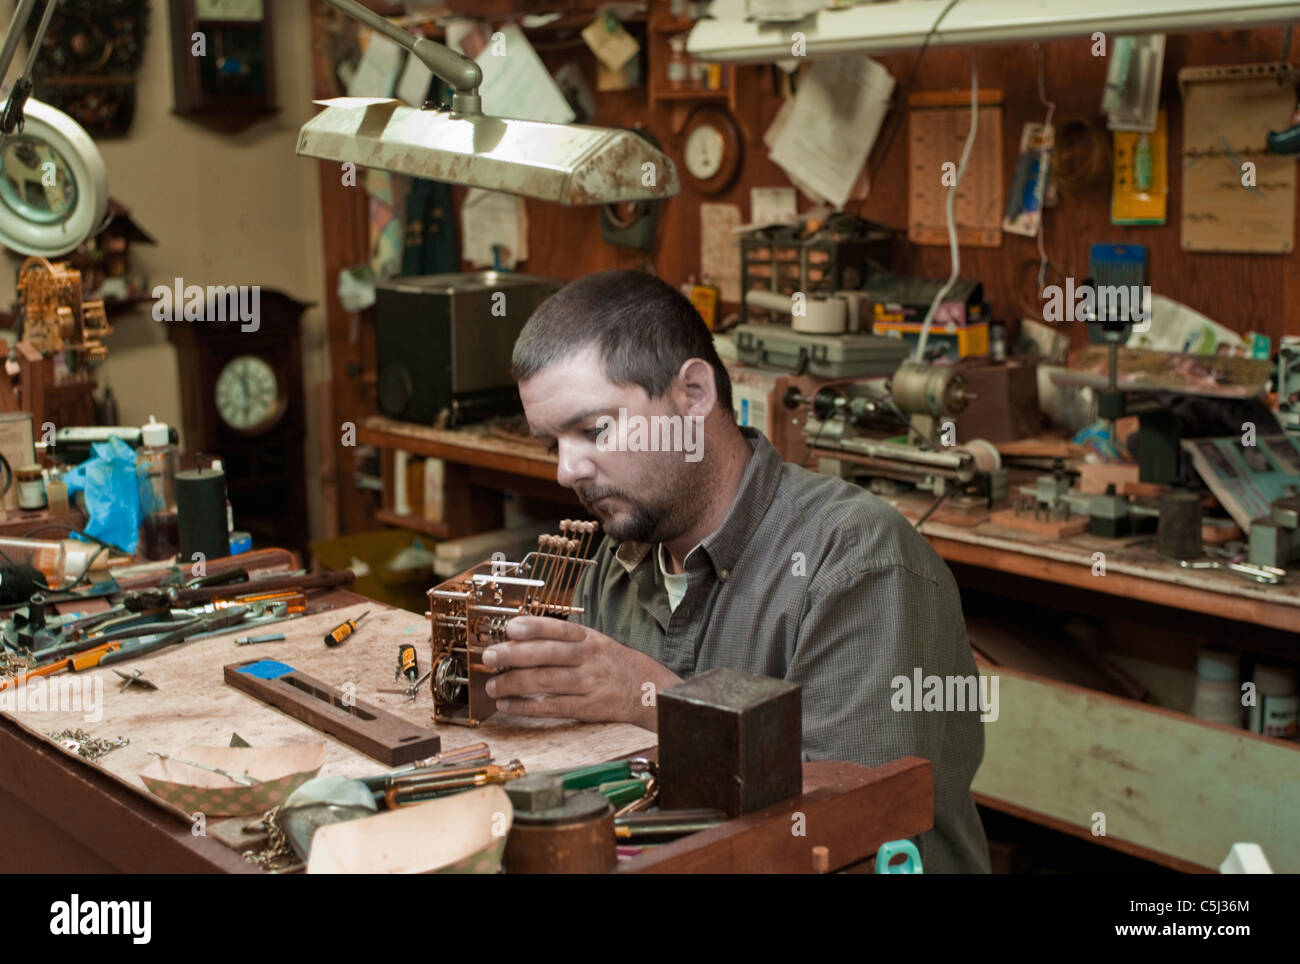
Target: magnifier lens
(36, 182)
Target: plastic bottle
(1276, 704)
(678, 71)
(1218, 687)
(155, 473)
(56, 492)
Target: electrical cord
(953, 251)
(897, 120)
(821, 428)
(8, 472)
(933, 505)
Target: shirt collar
(723, 546)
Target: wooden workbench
(477, 467)
(69, 815)
(64, 814)
(1138, 762)
(1134, 571)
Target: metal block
(1268, 544)
(730, 741)
(1286, 511)
(536, 793)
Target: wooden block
(1215, 532)
(361, 725)
(1095, 476)
(729, 740)
(1042, 527)
(960, 517)
(1151, 490)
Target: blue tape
(267, 669)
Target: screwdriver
(343, 630)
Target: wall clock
(711, 149)
(248, 395)
(242, 400)
(89, 59)
(229, 83)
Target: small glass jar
(31, 488)
(678, 70)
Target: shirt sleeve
(860, 634)
(860, 646)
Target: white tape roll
(822, 317)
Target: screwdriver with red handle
(343, 630)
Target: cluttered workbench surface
(193, 706)
(268, 745)
(1126, 567)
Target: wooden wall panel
(1245, 292)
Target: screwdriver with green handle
(585, 778)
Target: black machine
(444, 343)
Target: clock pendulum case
(242, 401)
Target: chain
(86, 746)
(11, 664)
(277, 854)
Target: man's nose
(574, 465)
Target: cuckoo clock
(89, 59)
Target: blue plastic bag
(112, 500)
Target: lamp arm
(456, 69)
(22, 13)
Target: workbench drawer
(1172, 788)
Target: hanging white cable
(953, 251)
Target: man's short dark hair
(643, 329)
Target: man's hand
(576, 673)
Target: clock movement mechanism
(470, 612)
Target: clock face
(705, 148)
(228, 10)
(248, 394)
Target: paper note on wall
(772, 205)
(847, 95)
(378, 70)
(719, 250)
(1236, 195)
(516, 82)
(491, 219)
(413, 88)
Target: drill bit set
(469, 613)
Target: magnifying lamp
(53, 184)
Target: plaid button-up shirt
(814, 580)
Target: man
(726, 556)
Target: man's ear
(697, 381)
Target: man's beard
(639, 522)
